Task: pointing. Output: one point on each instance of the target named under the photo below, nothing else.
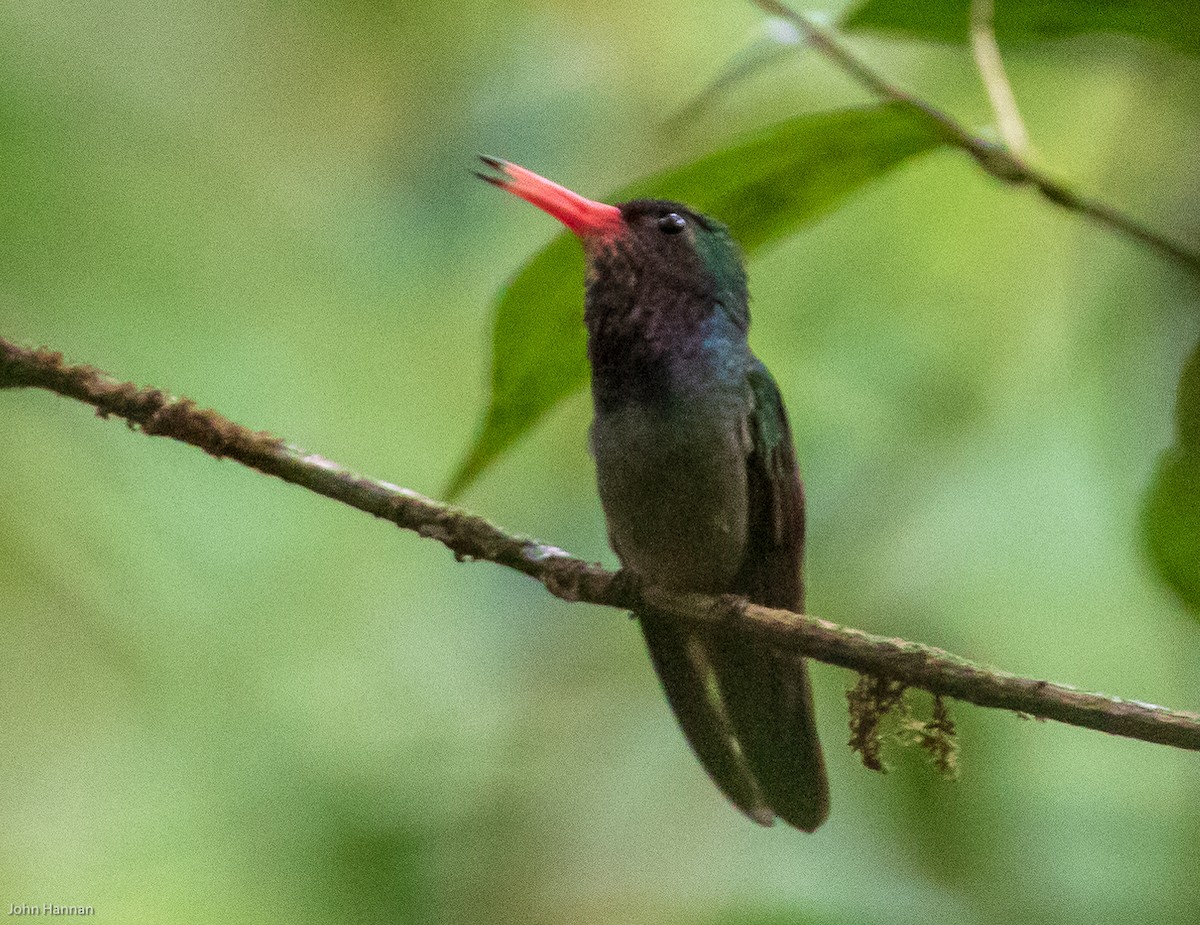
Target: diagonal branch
(469, 537)
(996, 160)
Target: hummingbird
(697, 475)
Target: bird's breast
(672, 482)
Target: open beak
(586, 217)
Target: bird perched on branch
(698, 480)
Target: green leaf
(1171, 22)
(764, 188)
(1171, 516)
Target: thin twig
(779, 37)
(469, 536)
(1001, 163)
(995, 80)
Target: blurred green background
(227, 699)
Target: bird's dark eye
(672, 223)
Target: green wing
(766, 691)
(747, 709)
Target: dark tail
(747, 713)
(769, 697)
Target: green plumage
(698, 479)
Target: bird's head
(653, 242)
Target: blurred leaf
(764, 188)
(774, 917)
(1172, 22)
(1172, 512)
